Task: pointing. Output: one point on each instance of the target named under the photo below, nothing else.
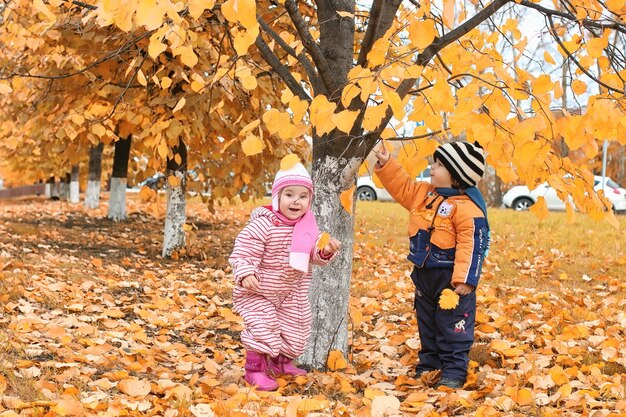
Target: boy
(449, 239)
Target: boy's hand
(463, 289)
(333, 246)
(250, 282)
(383, 155)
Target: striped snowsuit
(277, 318)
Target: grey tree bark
(74, 186)
(92, 194)
(175, 215)
(117, 194)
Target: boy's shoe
(450, 383)
(282, 365)
(257, 372)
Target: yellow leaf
(98, 129)
(5, 88)
(197, 7)
(422, 33)
(68, 407)
(187, 55)
(448, 299)
(542, 84)
(156, 46)
(336, 361)
(346, 14)
(142, 78)
(149, 14)
(248, 128)
(166, 82)
(323, 240)
(243, 11)
(345, 120)
(244, 39)
(320, 112)
(42, 8)
(252, 145)
(134, 387)
(179, 105)
(540, 208)
(288, 162)
(364, 169)
(347, 199)
(596, 46)
(548, 58)
(448, 13)
(124, 15)
(558, 375)
(173, 181)
(579, 87)
(312, 404)
(146, 194)
(374, 115)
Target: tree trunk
(330, 289)
(175, 215)
(65, 187)
(49, 187)
(493, 187)
(74, 186)
(117, 196)
(92, 195)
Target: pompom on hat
(296, 175)
(464, 161)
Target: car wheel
(366, 194)
(522, 204)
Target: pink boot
(256, 372)
(282, 365)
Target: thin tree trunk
(330, 290)
(49, 187)
(92, 195)
(65, 187)
(175, 215)
(117, 196)
(74, 186)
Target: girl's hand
(463, 289)
(383, 155)
(251, 283)
(333, 246)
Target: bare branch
(378, 26)
(588, 23)
(318, 86)
(575, 61)
(281, 69)
(425, 135)
(309, 43)
(81, 4)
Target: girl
(272, 273)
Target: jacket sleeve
(400, 185)
(471, 245)
(318, 258)
(248, 251)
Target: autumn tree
(240, 77)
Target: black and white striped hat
(464, 161)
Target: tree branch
(309, 43)
(368, 39)
(281, 69)
(620, 27)
(384, 19)
(112, 55)
(575, 61)
(318, 86)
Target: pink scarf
(305, 233)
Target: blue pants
(446, 336)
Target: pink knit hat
(297, 175)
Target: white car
(366, 190)
(521, 198)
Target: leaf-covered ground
(94, 322)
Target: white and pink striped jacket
(262, 249)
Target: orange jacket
(444, 232)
